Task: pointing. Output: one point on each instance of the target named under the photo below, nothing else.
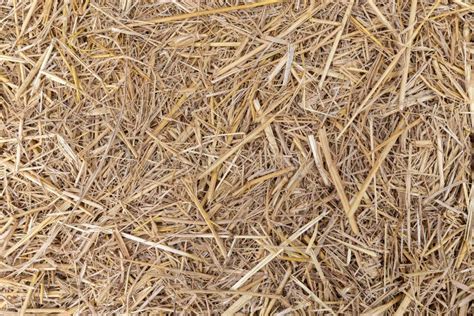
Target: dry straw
(236, 157)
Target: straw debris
(243, 157)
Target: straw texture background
(230, 157)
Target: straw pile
(236, 157)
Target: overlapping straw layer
(236, 157)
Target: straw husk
(236, 157)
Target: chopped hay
(236, 157)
